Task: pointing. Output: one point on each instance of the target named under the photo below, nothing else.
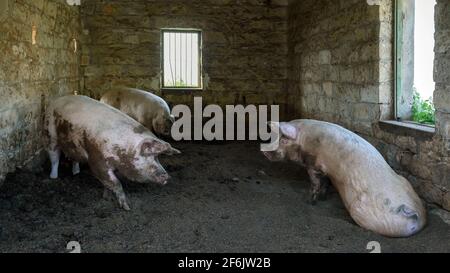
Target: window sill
(411, 129)
(181, 91)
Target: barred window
(181, 60)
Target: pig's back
(96, 118)
(336, 144)
(150, 99)
(132, 100)
(349, 158)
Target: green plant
(423, 110)
(180, 83)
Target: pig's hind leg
(51, 139)
(318, 186)
(54, 153)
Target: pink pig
(376, 197)
(144, 107)
(86, 130)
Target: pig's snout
(162, 177)
(414, 222)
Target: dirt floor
(222, 198)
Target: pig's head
(146, 164)
(163, 125)
(288, 147)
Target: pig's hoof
(124, 205)
(123, 202)
(314, 199)
(53, 176)
(76, 169)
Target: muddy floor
(222, 198)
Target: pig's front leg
(113, 184)
(316, 181)
(107, 177)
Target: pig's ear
(154, 147)
(288, 130)
(151, 147)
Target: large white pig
(86, 130)
(145, 107)
(376, 197)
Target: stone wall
(244, 47)
(31, 74)
(335, 62)
(341, 70)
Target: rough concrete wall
(31, 74)
(341, 70)
(244, 49)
